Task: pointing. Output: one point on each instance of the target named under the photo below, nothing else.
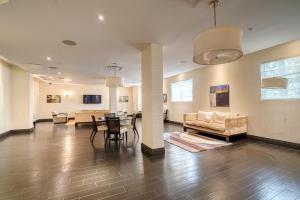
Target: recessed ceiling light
(67, 80)
(100, 17)
(49, 58)
(59, 73)
(69, 42)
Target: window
(287, 68)
(182, 91)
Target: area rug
(193, 142)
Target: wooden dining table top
(123, 120)
(102, 119)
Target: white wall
(5, 98)
(73, 102)
(276, 119)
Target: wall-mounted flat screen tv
(91, 99)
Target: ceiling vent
(52, 67)
(69, 42)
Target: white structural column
(113, 99)
(21, 99)
(135, 99)
(152, 103)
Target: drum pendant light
(218, 45)
(114, 81)
(274, 83)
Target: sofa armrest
(236, 124)
(189, 117)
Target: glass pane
(287, 68)
(182, 90)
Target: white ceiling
(31, 30)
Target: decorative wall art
(219, 96)
(53, 98)
(123, 99)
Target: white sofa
(59, 118)
(217, 123)
(85, 116)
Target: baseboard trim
(29, 130)
(174, 122)
(5, 134)
(16, 131)
(276, 142)
(43, 120)
(152, 152)
(50, 120)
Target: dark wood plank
(59, 162)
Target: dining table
(124, 120)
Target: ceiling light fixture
(49, 58)
(67, 80)
(3, 1)
(217, 45)
(114, 81)
(100, 17)
(274, 83)
(59, 73)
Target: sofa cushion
(219, 117)
(198, 123)
(217, 126)
(205, 116)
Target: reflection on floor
(58, 162)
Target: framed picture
(219, 96)
(165, 97)
(53, 98)
(123, 99)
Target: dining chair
(110, 115)
(120, 113)
(97, 128)
(114, 128)
(132, 124)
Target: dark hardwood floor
(58, 162)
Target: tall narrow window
(286, 68)
(182, 91)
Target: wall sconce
(67, 94)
